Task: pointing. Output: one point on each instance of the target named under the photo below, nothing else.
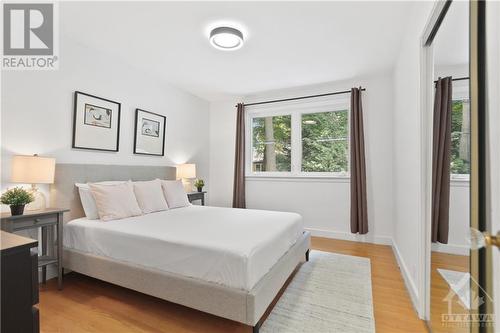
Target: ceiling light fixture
(226, 38)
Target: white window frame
(460, 92)
(296, 109)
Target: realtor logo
(29, 32)
(466, 314)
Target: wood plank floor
(90, 305)
(392, 305)
(440, 290)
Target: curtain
(359, 212)
(441, 151)
(239, 160)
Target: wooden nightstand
(47, 219)
(197, 196)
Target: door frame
(493, 86)
(481, 259)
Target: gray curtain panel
(359, 211)
(441, 151)
(239, 160)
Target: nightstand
(47, 219)
(197, 196)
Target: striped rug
(330, 293)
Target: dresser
(19, 273)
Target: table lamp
(33, 170)
(187, 172)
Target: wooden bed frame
(246, 307)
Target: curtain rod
(458, 79)
(301, 97)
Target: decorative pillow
(150, 197)
(115, 201)
(174, 193)
(87, 199)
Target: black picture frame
(137, 111)
(75, 113)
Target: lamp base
(39, 203)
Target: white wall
(222, 148)
(324, 204)
(455, 71)
(37, 111)
(407, 173)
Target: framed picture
(96, 123)
(149, 137)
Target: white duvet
(232, 247)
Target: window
(306, 139)
(460, 138)
(271, 143)
(324, 142)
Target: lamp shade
(33, 169)
(186, 171)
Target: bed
(228, 262)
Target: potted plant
(199, 183)
(17, 198)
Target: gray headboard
(64, 194)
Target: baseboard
(405, 272)
(382, 240)
(460, 250)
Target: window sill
(459, 182)
(302, 179)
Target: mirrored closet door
(451, 162)
(461, 167)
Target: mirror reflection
(450, 271)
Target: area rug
(330, 293)
(459, 282)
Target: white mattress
(232, 247)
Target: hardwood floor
(440, 290)
(392, 305)
(90, 305)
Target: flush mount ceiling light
(226, 38)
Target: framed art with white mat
(149, 136)
(96, 123)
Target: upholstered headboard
(64, 194)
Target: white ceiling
(287, 44)
(451, 45)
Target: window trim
(296, 109)
(459, 177)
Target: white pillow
(115, 201)
(87, 199)
(150, 197)
(174, 193)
